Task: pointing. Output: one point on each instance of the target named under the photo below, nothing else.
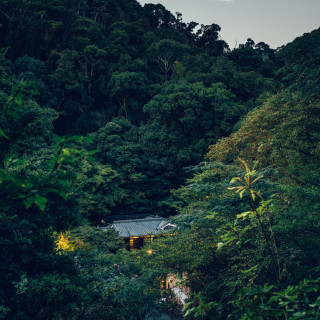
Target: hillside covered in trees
(108, 109)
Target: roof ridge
(133, 220)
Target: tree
(128, 88)
(92, 56)
(194, 109)
(208, 38)
(165, 53)
(158, 16)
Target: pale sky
(275, 22)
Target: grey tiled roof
(140, 227)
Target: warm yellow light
(149, 251)
(64, 243)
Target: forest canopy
(110, 109)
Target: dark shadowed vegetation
(110, 109)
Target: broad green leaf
(210, 216)
(253, 195)
(189, 312)
(92, 152)
(220, 245)
(186, 306)
(12, 114)
(243, 214)
(2, 134)
(197, 314)
(29, 202)
(57, 191)
(74, 138)
(7, 162)
(40, 202)
(66, 151)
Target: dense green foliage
(108, 108)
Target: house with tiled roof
(134, 231)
